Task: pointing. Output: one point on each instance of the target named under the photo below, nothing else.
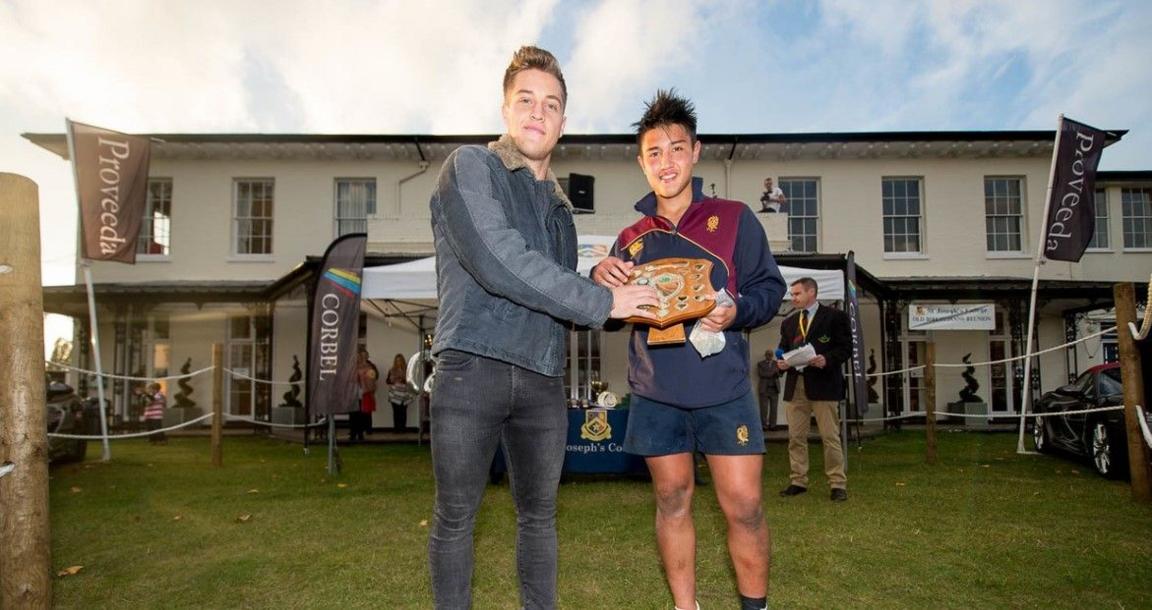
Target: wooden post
(930, 402)
(25, 537)
(217, 404)
(1130, 371)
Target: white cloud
(392, 66)
(625, 50)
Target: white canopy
(417, 279)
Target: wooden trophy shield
(684, 290)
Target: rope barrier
(907, 370)
(272, 425)
(184, 376)
(1146, 325)
(1032, 355)
(243, 376)
(1144, 425)
(128, 377)
(987, 415)
(97, 437)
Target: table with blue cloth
(595, 445)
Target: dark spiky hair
(667, 108)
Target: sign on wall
(944, 316)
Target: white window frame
(1020, 215)
(238, 221)
(1144, 220)
(154, 342)
(370, 205)
(1002, 335)
(794, 218)
(148, 224)
(1102, 215)
(586, 350)
(918, 217)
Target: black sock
(753, 603)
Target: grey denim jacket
(506, 260)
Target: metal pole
(1024, 401)
(106, 454)
(25, 527)
(333, 459)
(107, 451)
(217, 405)
(930, 402)
(1130, 373)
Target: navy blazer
(830, 334)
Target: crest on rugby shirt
(742, 435)
(635, 247)
(713, 223)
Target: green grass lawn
(158, 527)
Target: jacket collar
(647, 205)
(513, 160)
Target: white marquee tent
(416, 280)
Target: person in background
(154, 413)
(398, 392)
(818, 389)
(360, 420)
(773, 199)
(769, 375)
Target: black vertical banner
(1071, 218)
(332, 382)
(859, 381)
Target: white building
(236, 223)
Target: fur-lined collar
(513, 159)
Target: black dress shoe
(792, 490)
(839, 495)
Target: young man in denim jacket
(505, 267)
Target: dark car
(1098, 437)
(65, 413)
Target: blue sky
(435, 67)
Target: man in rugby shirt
(684, 402)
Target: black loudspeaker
(580, 192)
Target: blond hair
(529, 57)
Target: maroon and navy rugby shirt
(727, 233)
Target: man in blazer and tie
(817, 389)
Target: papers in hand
(707, 342)
(800, 357)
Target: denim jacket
(506, 260)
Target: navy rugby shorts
(658, 428)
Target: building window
(1004, 213)
(355, 202)
(252, 216)
(156, 226)
(248, 356)
(1137, 211)
(803, 212)
(1100, 239)
(902, 209)
(582, 377)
